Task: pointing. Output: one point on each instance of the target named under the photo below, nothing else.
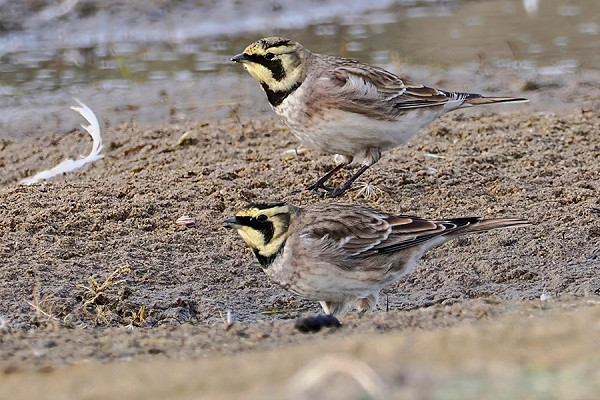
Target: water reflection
(552, 34)
(182, 42)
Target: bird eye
(269, 56)
(261, 218)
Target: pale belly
(353, 135)
(325, 282)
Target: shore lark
(344, 107)
(344, 254)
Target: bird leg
(327, 306)
(334, 307)
(367, 303)
(346, 185)
(335, 192)
(319, 184)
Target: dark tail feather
(496, 223)
(473, 99)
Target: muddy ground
(104, 296)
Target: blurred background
(165, 61)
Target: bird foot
(319, 185)
(320, 189)
(336, 192)
(326, 191)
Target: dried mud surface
(99, 285)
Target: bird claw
(319, 185)
(315, 187)
(336, 192)
(327, 191)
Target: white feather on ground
(69, 165)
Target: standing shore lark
(344, 107)
(343, 254)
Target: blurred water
(120, 47)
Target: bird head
(264, 227)
(277, 63)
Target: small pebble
(545, 297)
(186, 221)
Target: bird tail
(495, 223)
(473, 99)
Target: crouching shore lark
(344, 254)
(344, 107)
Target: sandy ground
(104, 296)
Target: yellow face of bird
(264, 227)
(276, 63)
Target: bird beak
(231, 223)
(241, 58)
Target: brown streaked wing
(385, 82)
(395, 95)
(353, 233)
(407, 234)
